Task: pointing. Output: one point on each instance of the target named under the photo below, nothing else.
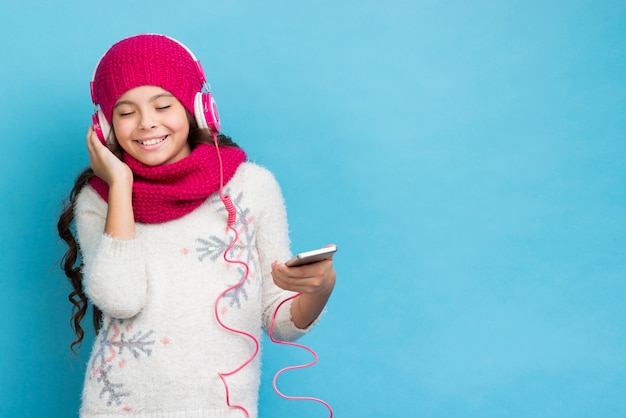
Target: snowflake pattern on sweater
(115, 339)
(214, 247)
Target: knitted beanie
(146, 59)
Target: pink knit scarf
(165, 192)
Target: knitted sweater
(160, 348)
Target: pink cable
(232, 214)
(301, 366)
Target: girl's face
(151, 125)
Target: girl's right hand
(120, 221)
(104, 163)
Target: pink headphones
(205, 107)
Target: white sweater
(160, 348)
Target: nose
(147, 120)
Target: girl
(179, 247)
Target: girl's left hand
(312, 279)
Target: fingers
(103, 162)
(92, 146)
(316, 278)
(93, 142)
(88, 139)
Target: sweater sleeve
(273, 244)
(114, 274)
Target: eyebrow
(153, 98)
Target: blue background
(467, 158)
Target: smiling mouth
(152, 141)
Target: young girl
(179, 248)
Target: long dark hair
(71, 262)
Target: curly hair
(71, 262)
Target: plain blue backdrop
(467, 158)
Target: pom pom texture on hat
(146, 60)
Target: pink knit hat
(146, 59)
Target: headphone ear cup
(206, 112)
(100, 126)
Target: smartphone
(313, 256)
